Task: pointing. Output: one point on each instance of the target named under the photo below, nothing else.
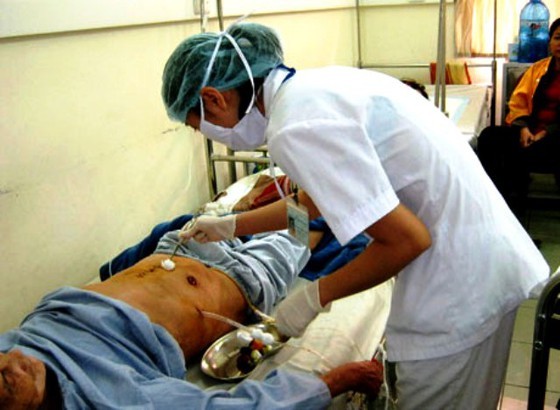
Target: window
(474, 25)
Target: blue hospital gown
(107, 355)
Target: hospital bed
(468, 106)
(352, 330)
(546, 337)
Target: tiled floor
(543, 224)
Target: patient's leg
(276, 260)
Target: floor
(543, 224)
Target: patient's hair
(416, 85)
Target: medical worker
(371, 154)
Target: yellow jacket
(521, 101)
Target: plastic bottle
(533, 32)
(513, 50)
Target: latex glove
(296, 311)
(209, 229)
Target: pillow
(247, 193)
(456, 72)
(263, 193)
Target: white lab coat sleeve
(335, 162)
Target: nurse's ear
(216, 102)
(212, 98)
(220, 107)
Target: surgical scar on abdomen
(145, 272)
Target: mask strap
(241, 56)
(211, 62)
(246, 65)
(273, 175)
(201, 109)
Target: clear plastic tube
(225, 319)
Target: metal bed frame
(546, 337)
(441, 59)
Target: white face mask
(248, 133)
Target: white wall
(89, 161)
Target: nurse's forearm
(367, 270)
(272, 217)
(400, 237)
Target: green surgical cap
(184, 71)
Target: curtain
(474, 25)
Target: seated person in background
(530, 142)
(124, 342)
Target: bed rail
(232, 158)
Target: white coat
(360, 142)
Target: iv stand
(441, 63)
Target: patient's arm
(22, 381)
(271, 217)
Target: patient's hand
(364, 377)
(526, 137)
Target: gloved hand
(209, 228)
(296, 311)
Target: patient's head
(22, 381)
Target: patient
(124, 342)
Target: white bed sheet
(351, 331)
(468, 106)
